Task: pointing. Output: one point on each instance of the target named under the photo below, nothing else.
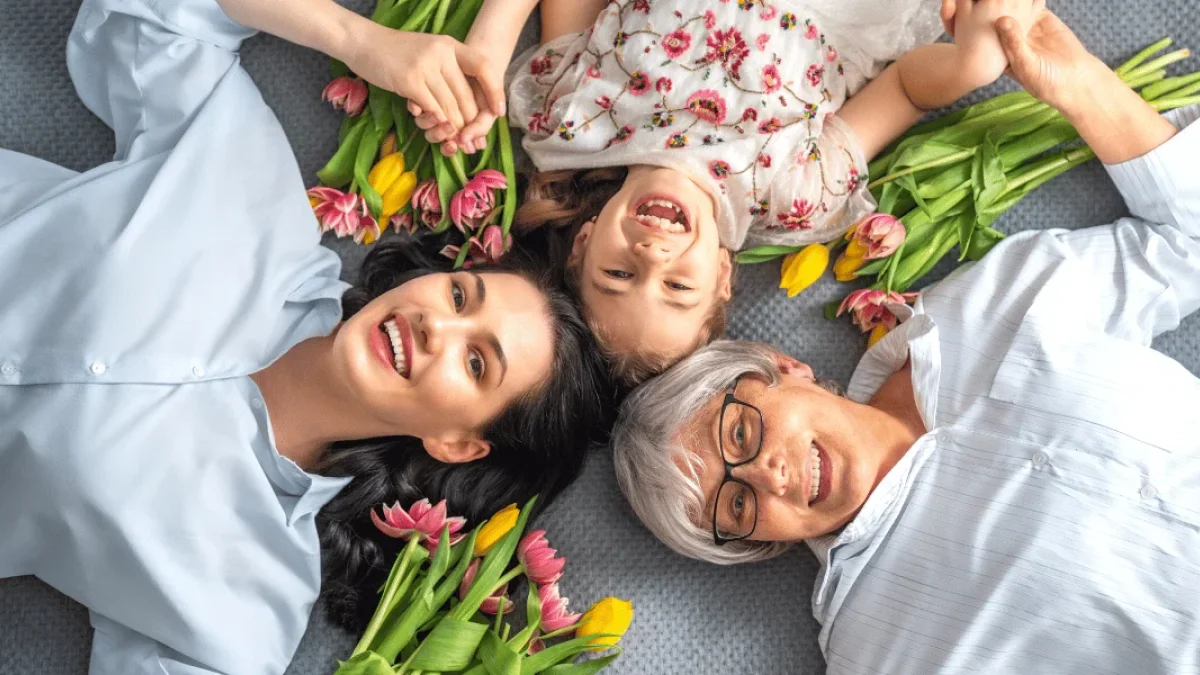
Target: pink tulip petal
(431, 521)
(393, 532)
(398, 517)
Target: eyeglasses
(740, 442)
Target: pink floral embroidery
(787, 21)
(677, 141)
(831, 54)
(539, 123)
(770, 79)
(764, 160)
(593, 70)
(810, 30)
(639, 83)
(623, 135)
(761, 42)
(719, 169)
(541, 65)
(707, 105)
(663, 85)
(799, 218)
(565, 130)
(854, 181)
(761, 208)
(641, 6)
(815, 75)
(729, 49)
(662, 119)
(747, 5)
(710, 19)
(749, 115)
(769, 13)
(604, 102)
(677, 43)
(770, 126)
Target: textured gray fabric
(690, 617)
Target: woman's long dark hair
(538, 444)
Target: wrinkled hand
(432, 72)
(1050, 62)
(973, 25)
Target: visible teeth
(397, 346)
(662, 224)
(815, 458)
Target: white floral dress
(738, 94)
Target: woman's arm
(430, 70)
(934, 76)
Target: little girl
(671, 133)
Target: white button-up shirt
(137, 470)
(1049, 522)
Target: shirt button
(256, 403)
(1040, 459)
(943, 436)
(1148, 492)
(197, 371)
(98, 368)
(8, 369)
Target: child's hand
(1051, 63)
(972, 24)
(470, 139)
(432, 72)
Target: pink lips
(406, 343)
(687, 216)
(381, 344)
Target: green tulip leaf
(556, 654)
(368, 148)
(339, 170)
(984, 240)
(497, 657)
(365, 663)
(830, 309)
(586, 668)
(380, 102)
(449, 647)
(338, 69)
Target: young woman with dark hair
(185, 381)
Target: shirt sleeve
(1139, 277)
(145, 67)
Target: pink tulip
(880, 234)
(867, 307)
(541, 565)
(555, 615)
(421, 519)
(427, 203)
(346, 93)
(403, 222)
(340, 212)
(494, 244)
(469, 207)
(491, 604)
(488, 179)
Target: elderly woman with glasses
(1011, 483)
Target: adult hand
(431, 71)
(470, 139)
(1051, 63)
(973, 25)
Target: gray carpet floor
(690, 617)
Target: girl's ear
(579, 246)
(457, 451)
(725, 276)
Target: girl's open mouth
(392, 342)
(662, 213)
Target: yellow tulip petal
(847, 266)
(610, 615)
(877, 334)
(807, 266)
(495, 528)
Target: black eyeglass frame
(731, 398)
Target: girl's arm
(934, 76)
(430, 70)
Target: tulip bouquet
(944, 184)
(442, 608)
(385, 174)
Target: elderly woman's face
(812, 473)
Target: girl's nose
(653, 251)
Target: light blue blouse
(139, 475)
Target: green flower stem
(1160, 63)
(439, 18)
(1169, 86)
(1173, 103)
(944, 161)
(391, 591)
(1146, 53)
(893, 263)
(1147, 79)
(460, 170)
(462, 254)
(508, 167)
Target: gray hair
(667, 499)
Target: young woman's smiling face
(651, 266)
(444, 354)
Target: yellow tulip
(610, 615)
(393, 183)
(495, 528)
(802, 269)
(877, 334)
(388, 145)
(847, 266)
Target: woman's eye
(739, 436)
(475, 365)
(618, 274)
(677, 287)
(457, 295)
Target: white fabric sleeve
(531, 79)
(822, 194)
(145, 66)
(871, 33)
